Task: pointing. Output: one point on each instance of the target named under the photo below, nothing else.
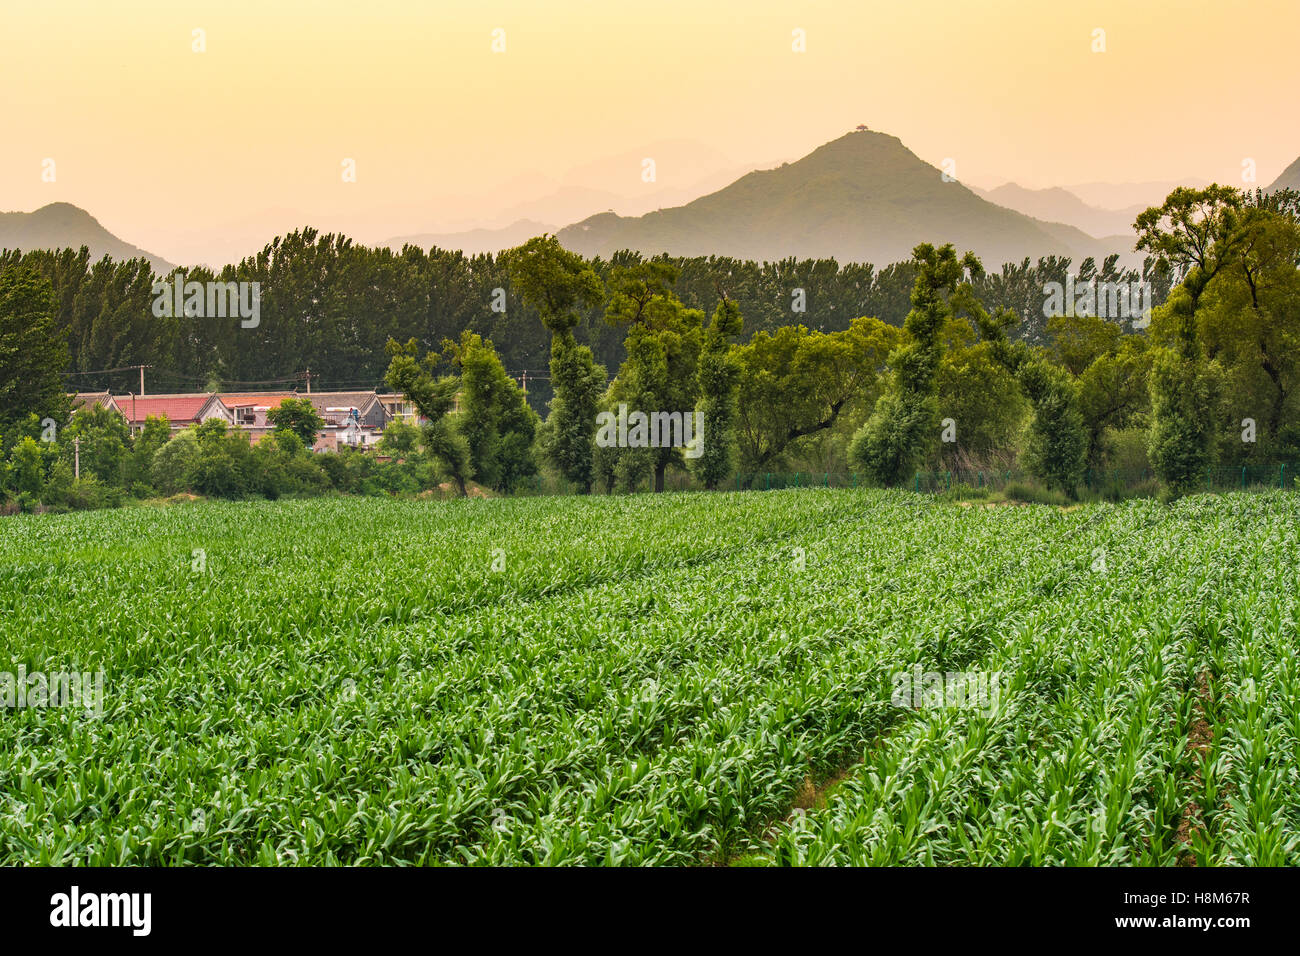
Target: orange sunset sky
(165, 145)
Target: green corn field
(685, 679)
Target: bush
(1034, 494)
(1126, 450)
(894, 439)
(225, 468)
(965, 493)
(1056, 446)
(1184, 395)
(175, 464)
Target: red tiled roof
(255, 399)
(177, 408)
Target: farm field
(686, 679)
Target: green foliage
(1114, 394)
(434, 398)
(400, 438)
(25, 473)
(795, 383)
(176, 463)
(281, 466)
(1185, 394)
(717, 380)
(890, 445)
(1033, 494)
(663, 345)
(558, 283)
(32, 353)
(984, 401)
(1196, 233)
(298, 417)
(903, 426)
(155, 433)
(554, 281)
(495, 420)
(578, 382)
(1056, 449)
(225, 463)
(105, 443)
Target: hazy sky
(164, 144)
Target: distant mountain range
(472, 242)
(1290, 178)
(63, 225)
(864, 197)
(1061, 205)
(1126, 196)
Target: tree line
(329, 306)
(930, 363)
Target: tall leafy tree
(105, 443)
(33, 355)
(559, 284)
(1057, 448)
(494, 414)
(717, 377)
(434, 399)
(905, 421)
(1196, 233)
(796, 383)
(1249, 323)
(663, 349)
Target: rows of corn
(655, 680)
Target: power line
(105, 371)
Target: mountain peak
(62, 225)
(862, 197)
(1290, 178)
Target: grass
(651, 680)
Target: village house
(88, 399)
(248, 410)
(182, 410)
(399, 408)
(352, 419)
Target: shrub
(1034, 494)
(175, 464)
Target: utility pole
(141, 369)
(525, 381)
(76, 457)
(308, 381)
